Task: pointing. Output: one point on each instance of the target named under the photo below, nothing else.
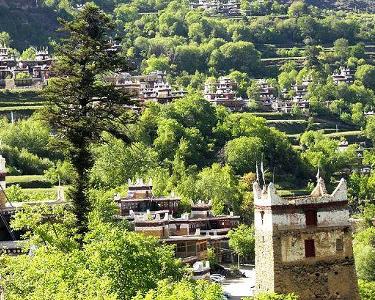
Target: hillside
(31, 22)
(27, 23)
(362, 5)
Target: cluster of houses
(269, 99)
(152, 87)
(24, 73)
(227, 8)
(191, 233)
(224, 92)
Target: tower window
(311, 218)
(309, 248)
(339, 245)
(262, 216)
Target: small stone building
(304, 244)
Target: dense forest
(35, 22)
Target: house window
(181, 247)
(309, 248)
(178, 226)
(311, 218)
(339, 245)
(262, 216)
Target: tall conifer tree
(81, 103)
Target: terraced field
(295, 126)
(22, 103)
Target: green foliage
(28, 54)
(370, 128)
(366, 289)
(133, 262)
(242, 241)
(241, 56)
(184, 290)
(366, 74)
(16, 194)
(275, 296)
(23, 75)
(185, 125)
(23, 162)
(4, 39)
(242, 153)
(322, 152)
(364, 251)
(362, 187)
(297, 8)
(154, 63)
(112, 263)
(278, 153)
(49, 226)
(62, 172)
(341, 48)
(219, 185)
(52, 274)
(31, 134)
(116, 162)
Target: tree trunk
(82, 163)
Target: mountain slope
(362, 5)
(26, 23)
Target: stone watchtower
(304, 244)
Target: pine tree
(81, 102)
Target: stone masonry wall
(329, 275)
(324, 280)
(264, 261)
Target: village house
(286, 104)
(223, 92)
(300, 91)
(267, 94)
(343, 75)
(303, 244)
(24, 73)
(192, 233)
(152, 87)
(140, 199)
(227, 8)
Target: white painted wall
(333, 218)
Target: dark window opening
(178, 226)
(309, 248)
(339, 245)
(262, 216)
(311, 218)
